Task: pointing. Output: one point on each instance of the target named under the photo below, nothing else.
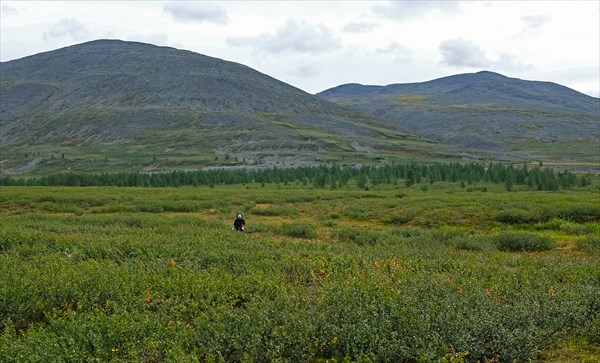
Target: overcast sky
(317, 45)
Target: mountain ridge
(486, 110)
(456, 84)
(116, 105)
(64, 65)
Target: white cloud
(190, 12)
(293, 36)
(342, 41)
(7, 10)
(402, 10)
(67, 28)
(359, 27)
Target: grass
(389, 274)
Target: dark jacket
(238, 224)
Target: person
(239, 222)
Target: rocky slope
(114, 104)
(485, 110)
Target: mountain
(527, 119)
(115, 105)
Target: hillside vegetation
(110, 105)
(511, 117)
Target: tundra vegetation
(366, 270)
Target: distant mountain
(115, 105)
(486, 110)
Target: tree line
(325, 176)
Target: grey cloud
(463, 53)
(190, 12)
(593, 93)
(305, 71)
(67, 28)
(510, 63)
(152, 38)
(7, 10)
(533, 24)
(402, 10)
(401, 54)
(359, 27)
(293, 36)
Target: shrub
(403, 218)
(512, 216)
(544, 214)
(275, 212)
(256, 228)
(589, 244)
(553, 224)
(564, 226)
(408, 232)
(581, 213)
(133, 222)
(300, 199)
(473, 243)
(514, 241)
(358, 235)
(298, 230)
(328, 221)
(359, 213)
(445, 235)
(578, 229)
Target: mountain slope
(485, 110)
(112, 105)
(117, 74)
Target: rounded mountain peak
(121, 74)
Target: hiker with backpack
(239, 222)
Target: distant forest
(331, 176)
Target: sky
(316, 45)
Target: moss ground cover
(390, 274)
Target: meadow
(434, 272)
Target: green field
(433, 272)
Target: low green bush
(553, 224)
(445, 235)
(408, 232)
(359, 236)
(580, 213)
(405, 217)
(589, 244)
(564, 226)
(512, 216)
(474, 243)
(298, 230)
(275, 212)
(256, 228)
(577, 229)
(522, 241)
(544, 214)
